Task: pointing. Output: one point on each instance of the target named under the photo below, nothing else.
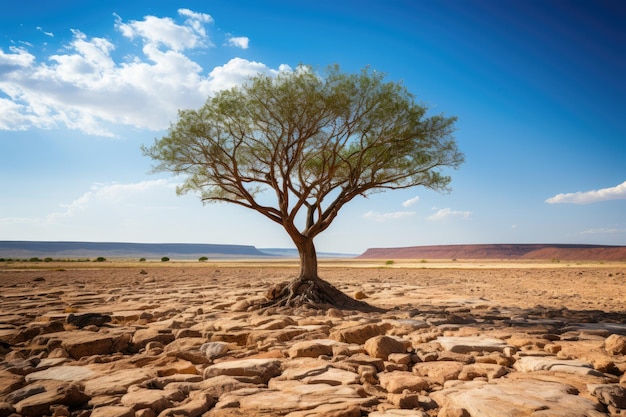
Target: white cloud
(612, 193)
(40, 29)
(411, 201)
(447, 213)
(239, 42)
(84, 87)
(381, 217)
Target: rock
(439, 371)
(472, 344)
(214, 350)
(532, 363)
(198, 404)
(382, 346)
(609, 394)
(116, 382)
(615, 344)
(85, 343)
(513, 398)
(287, 397)
(10, 382)
(257, 371)
(112, 411)
(154, 399)
(69, 394)
(398, 381)
(62, 373)
(152, 334)
(312, 348)
(398, 413)
(87, 319)
(482, 370)
(6, 409)
(359, 333)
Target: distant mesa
(65, 250)
(565, 252)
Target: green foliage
(165, 259)
(203, 258)
(389, 262)
(142, 259)
(100, 259)
(34, 259)
(48, 259)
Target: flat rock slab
(62, 373)
(549, 363)
(116, 382)
(255, 370)
(518, 398)
(460, 344)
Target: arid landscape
(462, 338)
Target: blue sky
(538, 86)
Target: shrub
(389, 262)
(203, 258)
(165, 259)
(34, 259)
(142, 259)
(48, 259)
(100, 259)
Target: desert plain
(453, 339)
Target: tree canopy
(313, 142)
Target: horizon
(537, 88)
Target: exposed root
(314, 293)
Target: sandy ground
(581, 287)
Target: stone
(87, 319)
(196, 406)
(152, 334)
(482, 370)
(311, 348)
(472, 344)
(39, 404)
(615, 344)
(62, 373)
(382, 346)
(154, 399)
(539, 363)
(398, 381)
(257, 371)
(398, 413)
(116, 382)
(609, 394)
(214, 350)
(112, 411)
(85, 343)
(513, 398)
(10, 382)
(440, 371)
(359, 333)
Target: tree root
(313, 293)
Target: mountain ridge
(522, 251)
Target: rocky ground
(181, 340)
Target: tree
(315, 143)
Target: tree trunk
(309, 289)
(308, 259)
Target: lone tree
(313, 142)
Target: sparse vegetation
(203, 259)
(142, 259)
(165, 259)
(389, 262)
(100, 259)
(34, 259)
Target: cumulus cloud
(85, 86)
(447, 213)
(411, 201)
(381, 217)
(239, 42)
(604, 194)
